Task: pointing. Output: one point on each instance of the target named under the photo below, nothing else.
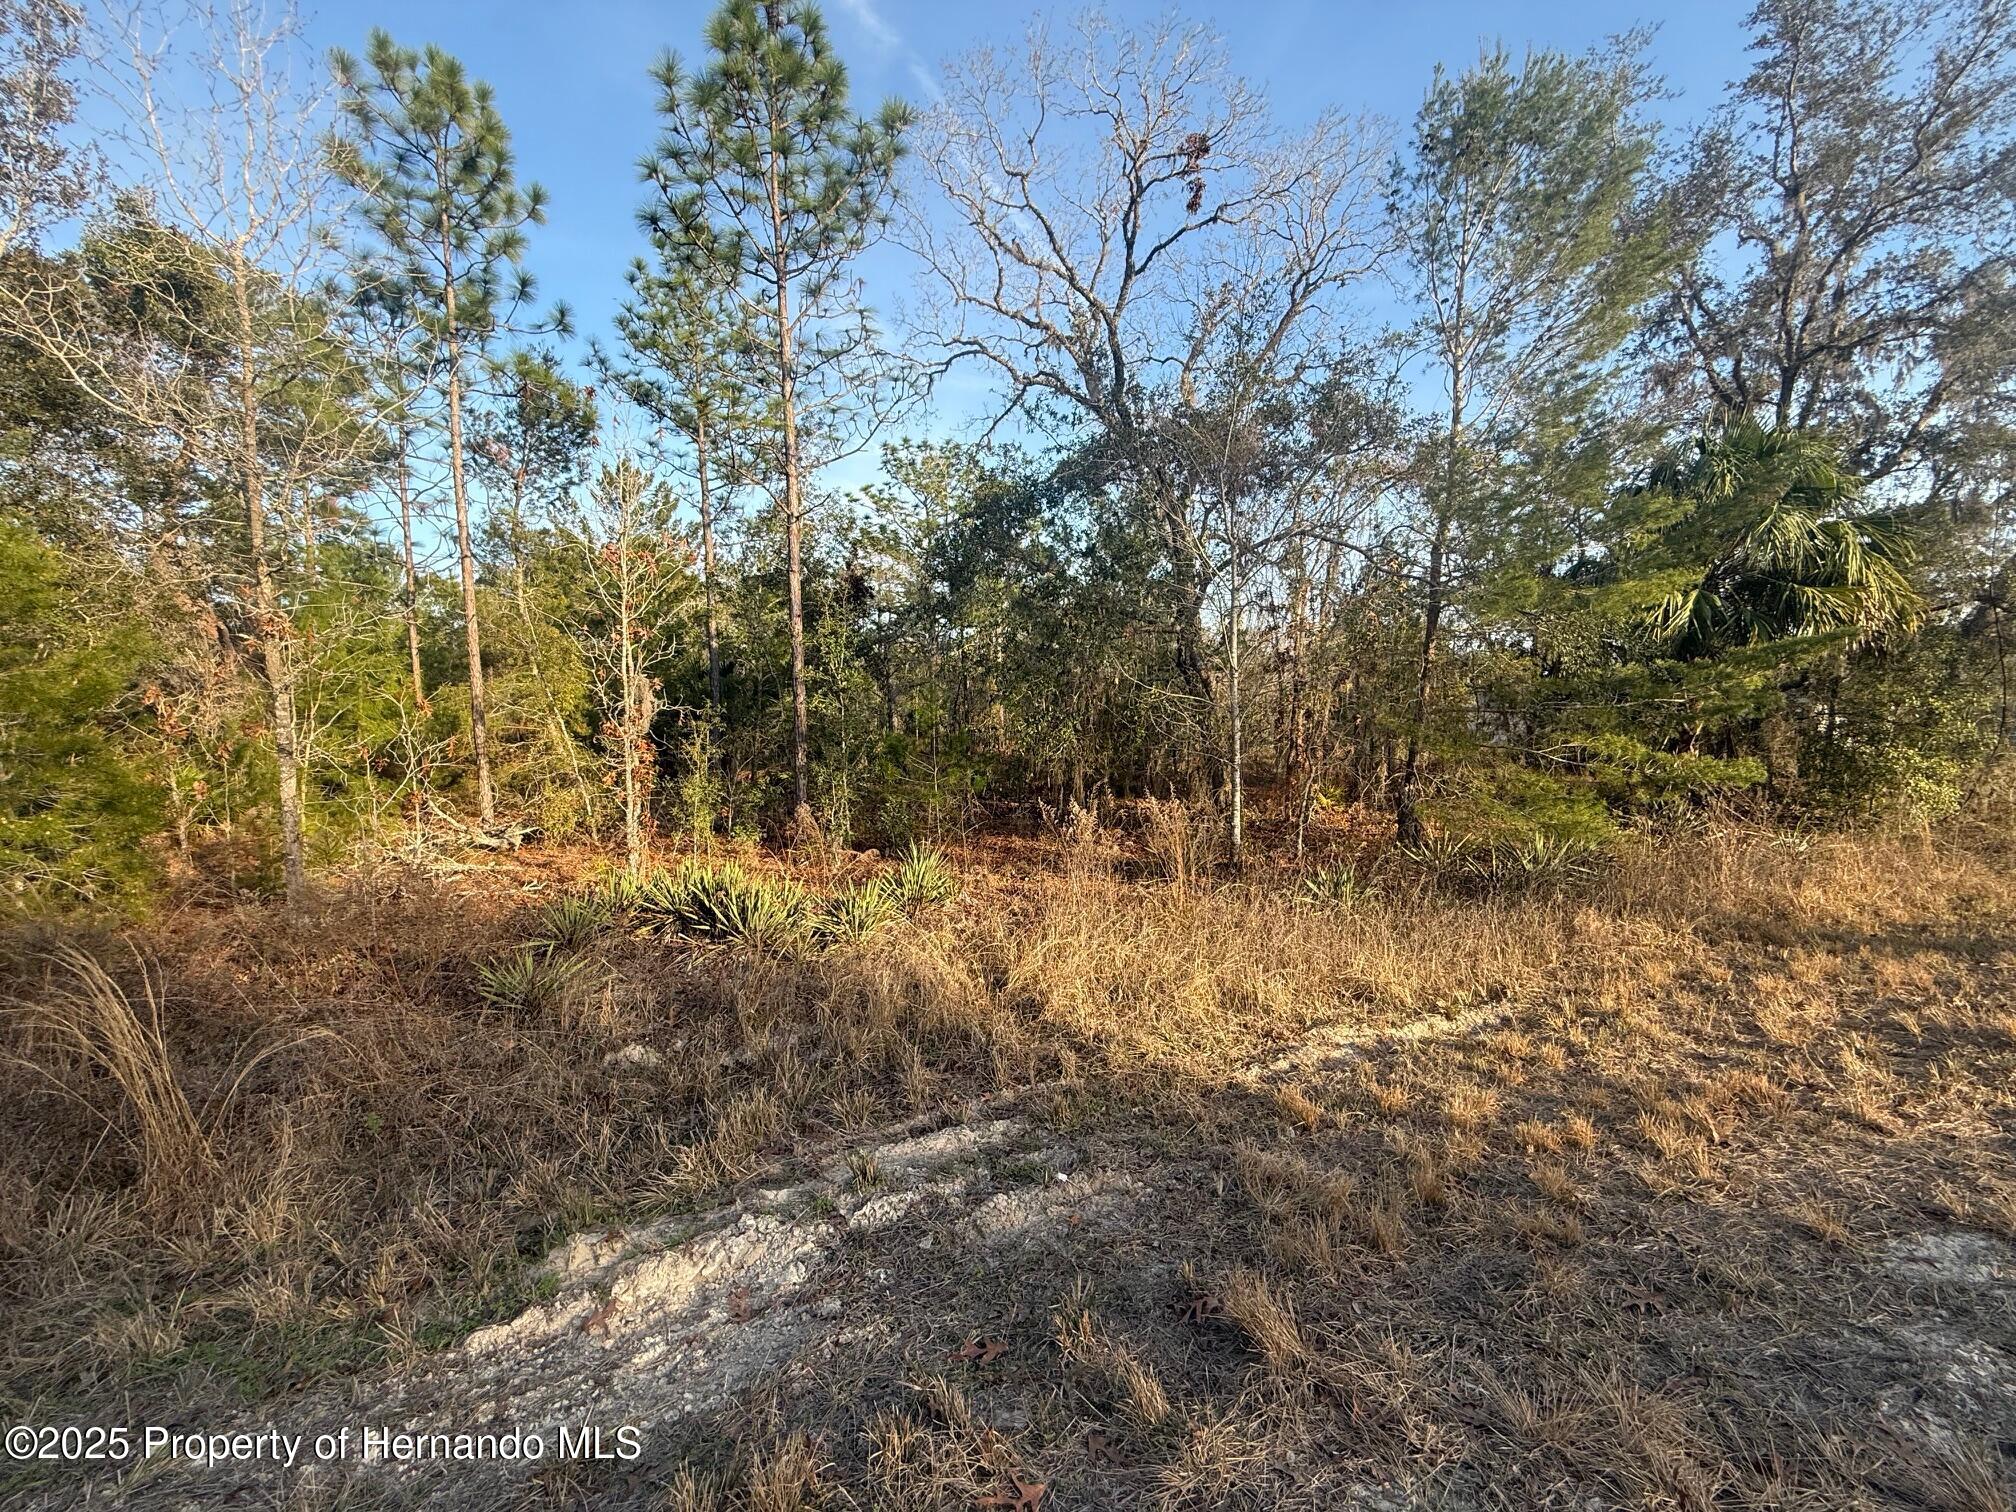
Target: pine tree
(433, 157)
(682, 332)
(389, 330)
(762, 172)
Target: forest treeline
(1504, 473)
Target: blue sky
(571, 81)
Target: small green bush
(855, 913)
(1544, 860)
(1338, 886)
(573, 922)
(722, 902)
(531, 980)
(922, 878)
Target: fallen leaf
(598, 1320)
(1024, 1496)
(1100, 1443)
(984, 1351)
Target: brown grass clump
(1267, 1321)
(83, 1017)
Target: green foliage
(1538, 861)
(573, 922)
(922, 878)
(854, 913)
(77, 804)
(772, 106)
(1336, 886)
(699, 791)
(432, 156)
(1772, 516)
(1497, 803)
(532, 980)
(1898, 734)
(722, 901)
(1631, 774)
(1545, 860)
(1442, 854)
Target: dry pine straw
(1523, 1256)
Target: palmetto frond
(1788, 554)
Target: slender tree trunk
(276, 651)
(633, 817)
(556, 723)
(707, 568)
(479, 725)
(1234, 648)
(411, 604)
(1295, 770)
(793, 501)
(2002, 729)
(310, 546)
(1407, 807)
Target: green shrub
(1444, 856)
(1544, 861)
(531, 980)
(573, 922)
(921, 878)
(1339, 886)
(854, 913)
(77, 799)
(722, 902)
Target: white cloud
(886, 37)
(870, 20)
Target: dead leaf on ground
(1100, 1444)
(982, 1351)
(1022, 1495)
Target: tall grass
(87, 1018)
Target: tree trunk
(1234, 648)
(270, 615)
(412, 594)
(707, 569)
(2002, 726)
(801, 761)
(632, 736)
(1407, 805)
(1295, 768)
(479, 727)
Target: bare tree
(1120, 200)
(228, 358)
(634, 582)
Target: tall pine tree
(433, 158)
(763, 172)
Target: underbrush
(254, 1151)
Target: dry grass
(1699, 1091)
